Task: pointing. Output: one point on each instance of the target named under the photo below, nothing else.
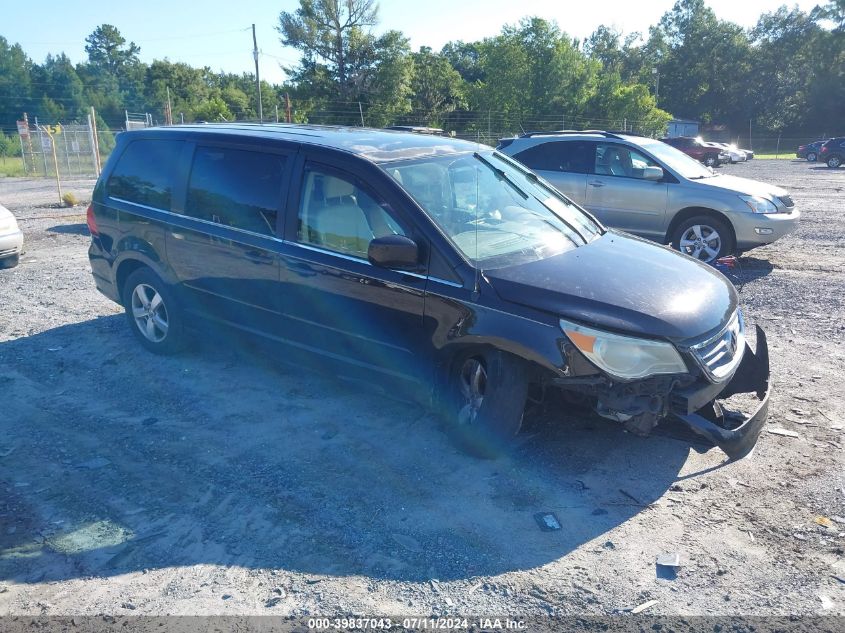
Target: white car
(737, 155)
(11, 239)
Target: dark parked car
(702, 151)
(810, 151)
(832, 153)
(429, 264)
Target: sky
(217, 33)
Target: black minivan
(437, 265)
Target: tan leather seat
(332, 217)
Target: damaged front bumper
(735, 434)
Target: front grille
(719, 356)
(787, 201)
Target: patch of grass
(70, 200)
(769, 156)
(11, 166)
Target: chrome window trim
(309, 247)
(200, 220)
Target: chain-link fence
(71, 148)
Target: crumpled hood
(623, 283)
(744, 186)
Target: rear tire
(811, 157)
(834, 162)
(153, 312)
(10, 262)
(704, 237)
(487, 391)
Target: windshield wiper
(571, 226)
(500, 173)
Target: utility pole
(288, 118)
(257, 77)
(168, 113)
(277, 113)
(656, 73)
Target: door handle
(259, 257)
(596, 183)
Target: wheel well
(126, 268)
(685, 214)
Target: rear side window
(569, 156)
(237, 188)
(145, 173)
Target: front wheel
(711, 160)
(9, 262)
(834, 161)
(488, 391)
(703, 237)
(811, 157)
(153, 312)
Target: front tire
(9, 262)
(704, 237)
(811, 157)
(153, 312)
(487, 394)
(711, 160)
(834, 161)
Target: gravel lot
(223, 482)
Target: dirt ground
(220, 482)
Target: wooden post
(168, 113)
(257, 77)
(287, 108)
(96, 141)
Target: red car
(707, 153)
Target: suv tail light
(824, 148)
(92, 223)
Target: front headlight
(624, 357)
(759, 205)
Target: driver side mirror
(393, 251)
(653, 173)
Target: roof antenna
(476, 291)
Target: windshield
(677, 161)
(494, 212)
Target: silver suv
(653, 190)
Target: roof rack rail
(612, 134)
(627, 133)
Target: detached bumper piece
(733, 433)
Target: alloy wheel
(702, 242)
(150, 313)
(834, 161)
(473, 386)
(811, 157)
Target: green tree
(9, 146)
(15, 83)
(213, 110)
(332, 35)
(437, 87)
(343, 64)
(107, 49)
